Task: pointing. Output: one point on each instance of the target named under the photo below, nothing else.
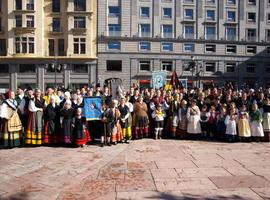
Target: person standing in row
(11, 124)
(66, 119)
(193, 116)
(34, 129)
(124, 119)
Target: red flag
(175, 81)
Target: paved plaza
(144, 169)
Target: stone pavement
(144, 169)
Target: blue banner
(92, 108)
(159, 79)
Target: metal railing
(30, 6)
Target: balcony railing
(231, 37)
(251, 38)
(189, 36)
(210, 36)
(114, 33)
(167, 35)
(56, 29)
(145, 34)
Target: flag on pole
(175, 83)
(159, 79)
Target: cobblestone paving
(144, 169)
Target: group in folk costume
(34, 128)
(11, 124)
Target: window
(144, 30)
(210, 1)
(267, 34)
(145, 65)
(231, 16)
(167, 13)
(25, 44)
(267, 69)
(231, 33)
(230, 67)
(79, 22)
(210, 32)
(251, 35)
(251, 17)
(145, 46)
(30, 21)
(1, 28)
(210, 15)
(79, 5)
(250, 68)
(231, 49)
(114, 65)
(167, 46)
(268, 50)
(79, 45)
(18, 20)
(0, 5)
(251, 49)
(30, 5)
(56, 6)
(210, 48)
(145, 12)
(3, 47)
(114, 46)
(80, 68)
(210, 67)
(188, 1)
(61, 47)
(252, 2)
(4, 69)
(51, 47)
(18, 4)
(56, 24)
(189, 47)
(188, 13)
(189, 31)
(167, 31)
(268, 18)
(114, 29)
(26, 68)
(167, 66)
(114, 11)
(231, 2)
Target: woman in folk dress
(182, 115)
(256, 123)
(243, 124)
(193, 116)
(266, 118)
(231, 123)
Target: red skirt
(50, 138)
(86, 139)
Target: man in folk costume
(266, 118)
(125, 116)
(52, 126)
(23, 108)
(174, 109)
(35, 124)
(109, 123)
(11, 124)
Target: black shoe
(101, 145)
(109, 144)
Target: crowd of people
(29, 117)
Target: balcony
(55, 30)
(114, 34)
(79, 29)
(167, 35)
(21, 30)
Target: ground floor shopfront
(42, 73)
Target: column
(67, 76)
(40, 77)
(13, 76)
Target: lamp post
(55, 67)
(195, 66)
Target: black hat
(20, 87)
(29, 88)
(98, 85)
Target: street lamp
(56, 68)
(195, 66)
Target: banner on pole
(93, 108)
(159, 79)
